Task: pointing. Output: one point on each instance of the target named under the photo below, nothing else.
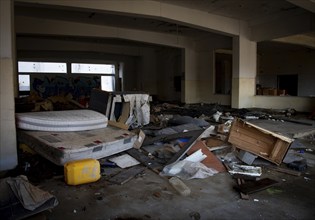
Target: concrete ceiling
(251, 11)
(101, 18)
(247, 10)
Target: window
(41, 67)
(92, 68)
(54, 78)
(108, 83)
(24, 83)
(106, 70)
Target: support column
(8, 149)
(244, 69)
(191, 90)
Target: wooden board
(214, 142)
(126, 175)
(255, 186)
(118, 125)
(211, 160)
(284, 170)
(244, 196)
(145, 160)
(99, 100)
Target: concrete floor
(151, 197)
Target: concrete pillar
(244, 69)
(8, 149)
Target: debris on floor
(82, 171)
(179, 186)
(20, 199)
(255, 186)
(124, 161)
(261, 142)
(126, 175)
(195, 142)
(122, 109)
(245, 170)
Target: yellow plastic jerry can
(82, 171)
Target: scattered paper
(124, 161)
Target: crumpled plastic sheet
(31, 197)
(188, 170)
(139, 108)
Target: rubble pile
(181, 143)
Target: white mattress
(62, 147)
(70, 120)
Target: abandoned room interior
(157, 109)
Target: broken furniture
(259, 141)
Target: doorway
(223, 73)
(289, 83)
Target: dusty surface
(151, 197)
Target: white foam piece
(69, 120)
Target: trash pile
(180, 143)
(182, 147)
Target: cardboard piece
(211, 160)
(138, 143)
(214, 142)
(118, 125)
(124, 112)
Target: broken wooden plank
(145, 160)
(239, 182)
(284, 170)
(245, 177)
(186, 147)
(126, 175)
(244, 196)
(255, 186)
